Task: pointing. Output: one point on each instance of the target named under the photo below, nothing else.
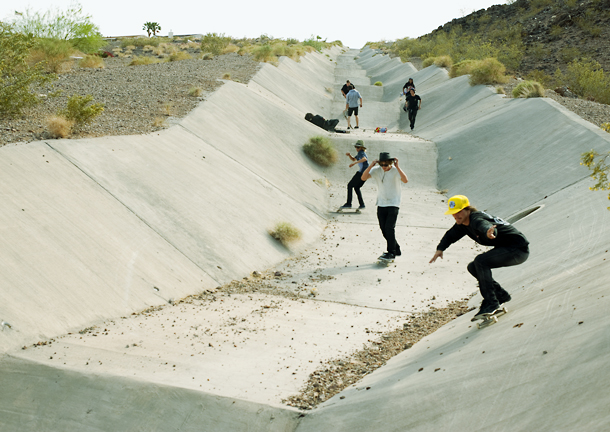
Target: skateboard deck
(348, 210)
(490, 319)
(384, 262)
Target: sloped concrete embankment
(542, 366)
(101, 228)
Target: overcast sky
(352, 22)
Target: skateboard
(489, 319)
(348, 209)
(384, 261)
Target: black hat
(384, 157)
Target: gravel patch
(137, 99)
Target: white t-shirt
(389, 190)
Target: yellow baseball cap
(457, 203)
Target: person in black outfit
(412, 105)
(320, 121)
(408, 86)
(346, 88)
(510, 247)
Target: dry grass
(92, 61)
(528, 89)
(285, 233)
(320, 149)
(59, 127)
(180, 55)
(226, 76)
(144, 60)
(195, 91)
(159, 122)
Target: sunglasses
(385, 164)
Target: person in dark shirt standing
(412, 105)
(510, 247)
(408, 86)
(346, 88)
(361, 159)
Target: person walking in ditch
(351, 105)
(412, 106)
(510, 247)
(388, 176)
(408, 86)
(356, 182)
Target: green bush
(443, 61)
(180, 55)
(543, 78)
(72, 26)
(462, 68)
(488, 71)
(528, 89)
(144, 60)
(214, 43)
(17, 78)
(599, 168)
(285, 233)
(587, 79)
(52, 54)
(79, 111)
(428, 62)
(321, 150)
(378, 83)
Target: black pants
(498, 257)
(355, 184)
(387, 217)
(412, 114)
(331, 124)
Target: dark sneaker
(387, 256)
(362, 207)
(397, 252)
(503, 296)
(356, 127)
(486, 310)
(346, 206)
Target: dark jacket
(506, 234)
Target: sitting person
(320, 121)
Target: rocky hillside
(553, 32)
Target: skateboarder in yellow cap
(510, 248)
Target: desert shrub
(17, 78)
(528, 89)
(443, 61)
(195, 91)
(537, 75)
(264, 53)
(207, 56)
(79, 111)
(144, 60)
(226, 76)
(59, 126)
(378, 83)
(92, 61)
(538, 51)
(500, 90)
(231, 48)
(214, 43)
(53, 54)
(488, 71)
(180, 55)
(71, 25)
(605, 127)
(140, 42)
(462, 68)
(587, 79)
(599, 169)
(568, 54)
(285, 233)
(320, 149)
(428, 62)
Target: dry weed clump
(320, 149)
(488, 71)
(59, 126)
(528, 89)
(285, 233)
(226, 76)
(144, 60)
(180, 55)
(92, 61)
(195, 91)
